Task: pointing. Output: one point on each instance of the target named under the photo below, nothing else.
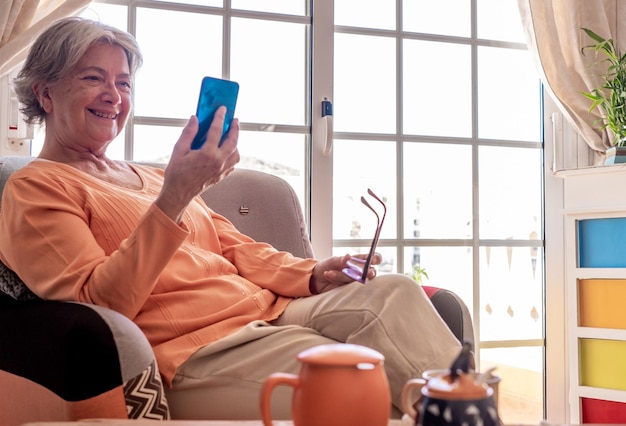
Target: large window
(436, 107)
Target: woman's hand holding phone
(190, 172)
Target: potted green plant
(418, 274)
(610, 98)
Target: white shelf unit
(593, 193)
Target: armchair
(66, 361)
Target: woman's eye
(125, 85)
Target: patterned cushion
(145, 398)
(13, 286)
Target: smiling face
(88, 108)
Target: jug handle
(405, 398)
(270, 382)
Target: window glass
(280, 154)
(214, 3)
(521, 373)
(510, 202)
(109, 14)
(365, 84)
(445, 17)
(289, 7)
(446, 267)
(508, 25)
(511, 302)
(154, 143)
(380, 14)
(116, 149)
(508, 95)
(39, 134)
(169, 81)
(437, 93)
(272, 84)
(360, 165)
(436, 203)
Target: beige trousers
(390, 314)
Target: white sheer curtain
(555, 38)
(21, 21)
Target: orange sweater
(70, 236)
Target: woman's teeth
(101, 114)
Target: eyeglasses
(358, 268)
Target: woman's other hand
(327, 274)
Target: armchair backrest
(8, 165)
(264, 207)
(260, 205)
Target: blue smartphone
(214, 93)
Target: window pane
(435, 205)
(445, 17)
(511, 293)
(272, 83)
(380, 14)
(360, 165)
(39, 134)
(521, 386)
(214, 3)
(154, 143)
(365, 84)
(169, 81)
(109, 14)
(289, 7)
(508, 26)
(447, 267)
(510, 193)
(115, 150)
(508, 95)
(279, 154)
(437, 89)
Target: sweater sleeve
(262, 264)
(45, 237)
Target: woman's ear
(42, 93)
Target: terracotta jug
(338, 385)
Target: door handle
(327, 114)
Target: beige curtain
(21, 21)
(555, 38)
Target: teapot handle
(407, 393)
(270, 382)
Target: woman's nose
(111, 94)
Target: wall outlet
(15, 147)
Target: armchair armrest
(79, 352)
(453, 311)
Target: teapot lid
(464, 387)
(341, 354)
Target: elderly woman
(221, 311)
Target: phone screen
(214, 92)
